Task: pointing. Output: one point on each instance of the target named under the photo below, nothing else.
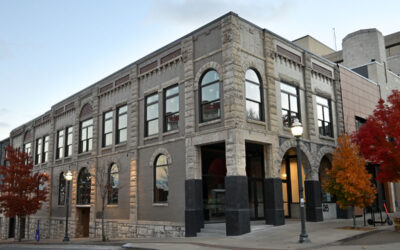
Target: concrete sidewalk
(322, 235)
(327, 235)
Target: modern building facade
(369, 70)
(196, 132)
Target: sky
(51, 49)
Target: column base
(194, 219)
(273, 200)
(313, 201)
(237, 205)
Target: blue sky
(50, 50)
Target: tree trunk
(354, 216)
(103, 235)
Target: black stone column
(194, 219)
(313, 201)
(237, 213)
(273, 202)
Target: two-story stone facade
(195, 132)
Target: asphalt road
(56, 246)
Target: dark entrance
(22, 228)
(213, 174)
(255, 177)
(83, 218)
(11, 227)
(380, 188)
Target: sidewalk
(321, 234)
(326, 234)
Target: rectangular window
(28, 148)
(122, 124)
(324, 116)
(68, 141)
(359, 122)
(45, 149)
(86, 136)
(171, 108)
(290, 104)
(60, 144)
(151, 125)
(39, 147)
(107, 128)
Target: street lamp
(297, 131)
(68, 178)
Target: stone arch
(86, 111)
(325, 150)
(307, 157)
(28, 135)
(156, 153)
(209, 65)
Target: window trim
(260, 88)
(38, 150)
(61, 202)
(146, 126)
(297, 103)
(58, 156)
(104, 134)
(67, 153)
(323, 116)
(118, 129)
(165, 129)
(45, 154)
(111, 191)
(212, 101)
(79, 197)
(155, 166)
(81, 150)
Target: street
(56, 246)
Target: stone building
(193, 133)
(3, 145)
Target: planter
(396, 221)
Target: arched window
(83, 187)
(161, 179)
(210, 105)
(61, 190)
(253, 96)
(113, 181)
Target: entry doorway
(255, 177)
(83, 218)
(213, 177)
(11, 227)
(290, 184)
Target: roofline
(144, 58)
(288, 41)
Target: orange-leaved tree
(21, 191)
(348, 178)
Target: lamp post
(297, 131)
(68, 178)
